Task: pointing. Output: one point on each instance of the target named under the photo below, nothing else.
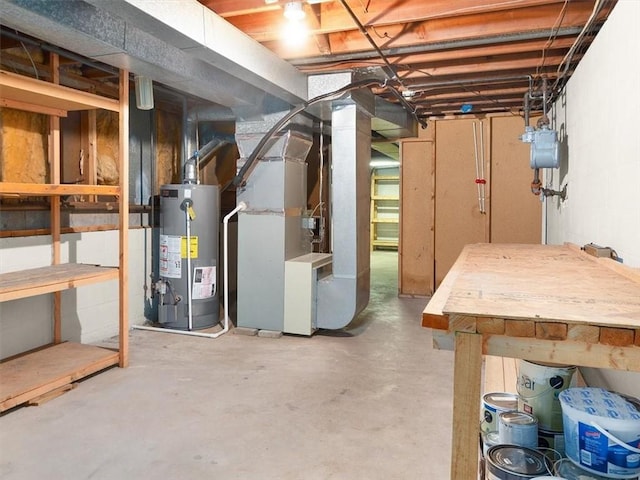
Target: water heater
(188, 272)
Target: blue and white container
(602, 432)
(493, 404)
(518, 428)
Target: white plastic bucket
(601, 432)
(538, 389)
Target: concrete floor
(370, 402)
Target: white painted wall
(89, 313)
(598, 116)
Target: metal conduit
(475, 81)
(437, 46)
(389, 71)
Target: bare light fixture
(293, 11)
(295, 30)
(144, 92)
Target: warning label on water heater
(204, 282)
(170, 258)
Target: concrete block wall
(89, 313)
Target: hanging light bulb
(294, 12)
(295, 30)
(295, 34)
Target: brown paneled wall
(415, 249)
(440, 208)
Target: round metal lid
(518, 418)
(515, 459)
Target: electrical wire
(552, 36)
(243, 173)
(474, 92)
(566, 61)
(33, 64)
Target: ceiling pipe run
(434, 47)
(389, 71)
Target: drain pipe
(225, 253)
(225, 328)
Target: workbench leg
(467, 376)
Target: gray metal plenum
(345, 293)
(270, 229)
(190, 26)
(393, 121)
(179, 43)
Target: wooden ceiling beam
(264, 27)
(480, 65)
(321, 39)
(387, 12)
(233, 8)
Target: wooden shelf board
(386, 197)
(37, 281)
(384, 220)
(48, 189)
(386, 177)
(31, 92)
(32, 375)
(385, 243)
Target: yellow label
(193, 250)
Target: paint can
(551, 440)
(489, 439)
(518, 428)
(602, 432)
(538, 388)
(509, 462)
(494, 403)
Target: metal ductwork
(345, 293)
(270, 229)
(180, 43)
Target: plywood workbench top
(554, 283)
(543, 303)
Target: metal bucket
(518, 428)
(538, 389)
(492, 405)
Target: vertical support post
(467, 375)
(89, 141)
(123, 204)
(54, 172)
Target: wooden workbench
(543, 303)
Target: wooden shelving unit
(384, 211)
(26, 377)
